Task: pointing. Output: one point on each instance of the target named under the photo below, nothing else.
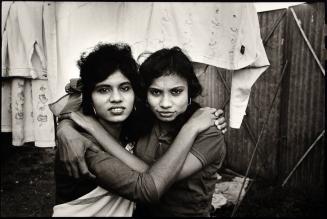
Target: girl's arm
(113, 174)
(110, 145)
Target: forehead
(169, 81)
(115, 78)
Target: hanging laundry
(218, 34)
(224, 35)
(23, 50)
(25, 86)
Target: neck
(113, 129)
(165, 127)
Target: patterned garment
(25, 86)
(25, 112)
(224, 35)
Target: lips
(165, 114)
(116, 110)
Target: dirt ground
(27, 189)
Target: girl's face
(168, 97)
(113, 98)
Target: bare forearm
(165, 171)
(65, 123)
(110, 145)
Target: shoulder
(212, 131)
(209, 146)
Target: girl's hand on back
(202, 119)
(220, 122)
(89, 123)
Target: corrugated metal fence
(297, 115)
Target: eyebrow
(125, 83)
(177, 87)
(107, 85)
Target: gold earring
(95, 112)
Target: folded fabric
(97, 203)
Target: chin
(167, 119)
(117, 119)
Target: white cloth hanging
(219, 34)
(225, 35)
(25, 85)
(23, 41)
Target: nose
(115, 97)
(165, 102)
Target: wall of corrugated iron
(298, 113)
(304, 97)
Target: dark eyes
(154, 92)
(174, 91)
(104, 90)
(125, 88)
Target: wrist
(190, 128)
(65, 123)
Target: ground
(27, 189)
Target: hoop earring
(189, 101)
(134, 108)
(94, 111)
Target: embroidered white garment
(25, 87)
(225, 35)
(25, 112)
(219, 34)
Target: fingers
(219, 112)
(221, 125)
(221, 122)
(209, 109)
(84, 169)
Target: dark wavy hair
(100, 63)
(167, 62)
